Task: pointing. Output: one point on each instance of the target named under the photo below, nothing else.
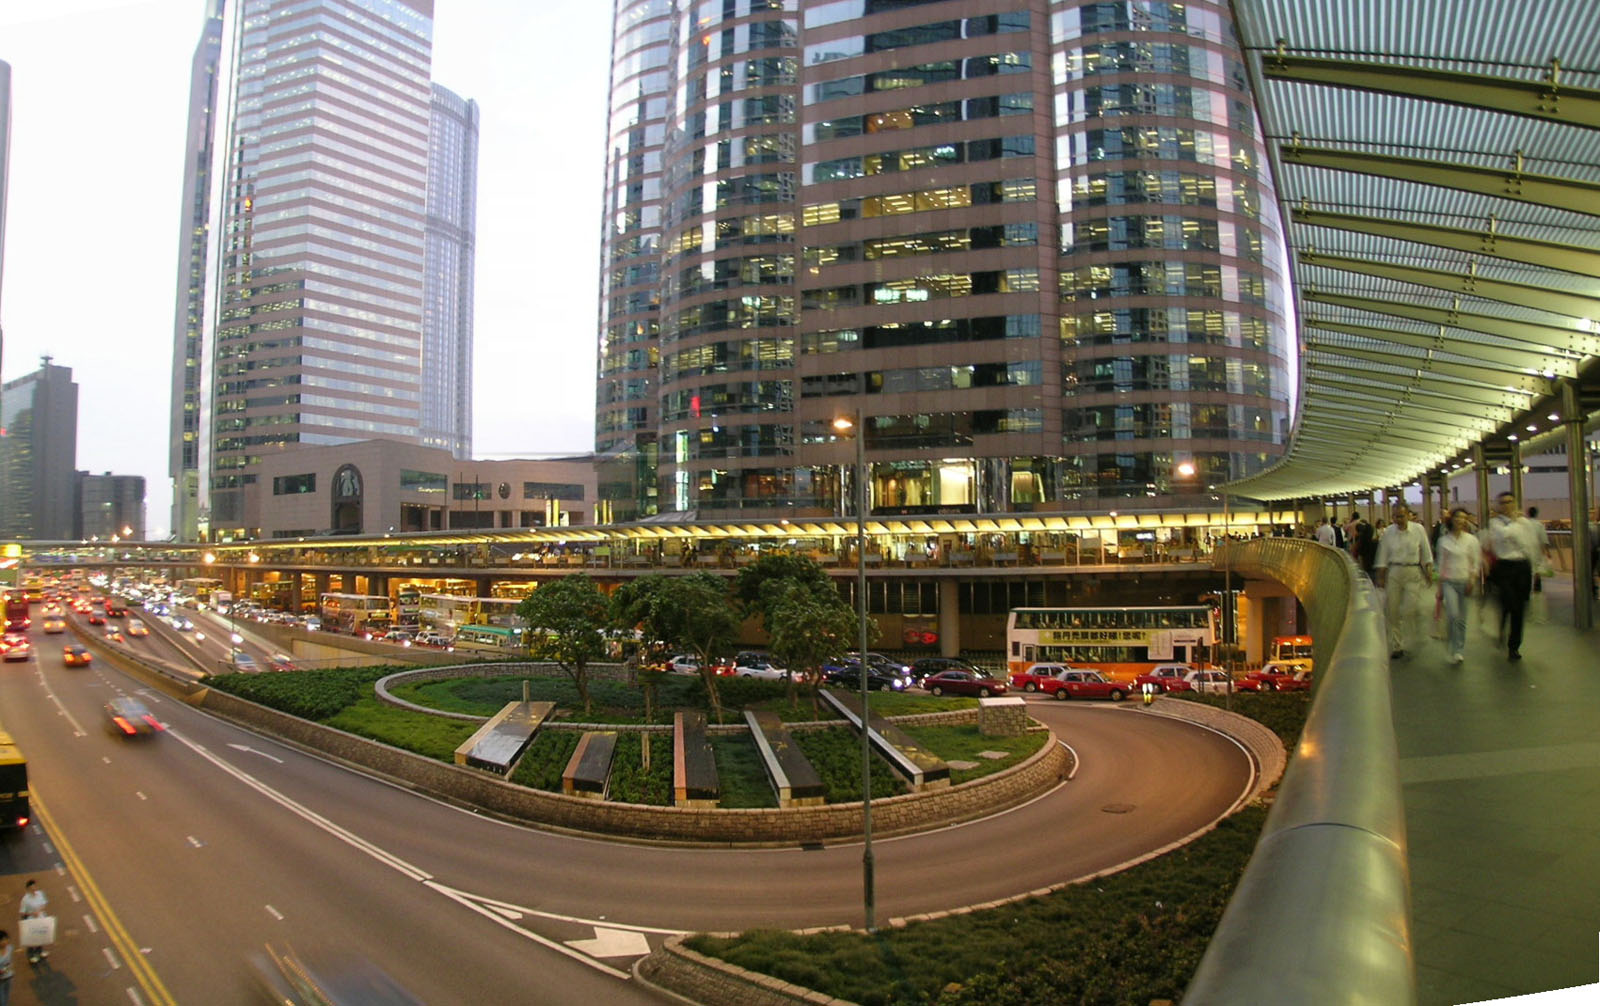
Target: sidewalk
(1500, 770)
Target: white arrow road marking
(251, 750)
(467, 900)
(613, 943)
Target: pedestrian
(1325, 533)
(1364, 546)
(1404, 561)
(1460, 569)
(7, 972)
(1513, 542)
(33, 906)
(1594, 553)
(1542, 560)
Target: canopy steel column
(1480, 469)
(1578, 485)
(1515, 466)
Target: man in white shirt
(1325, 533)
(1405, 560)
(1514, 543)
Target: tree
(693, 613)
(566, 623)
(810, 629)
(761, 585)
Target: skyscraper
(5, 158)
(38, 454)
(317, 259)
(110, 506)
(1035, 245)
(447, 296)
(189, 310)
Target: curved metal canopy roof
(1439, 167)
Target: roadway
(210, 841)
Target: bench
(919, 767)
(498, 744)
(588, 771)
(694, 765)
(790, 771)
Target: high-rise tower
(1033, 243)
(38, 454)
(189, 310)
(315, 313)
(5, 157)
(447, 296)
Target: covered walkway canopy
(1439, 167)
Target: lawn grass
(741, 773)
(430, 736)
(964, 743)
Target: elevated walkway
(1500, 776)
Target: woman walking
(1460, 559)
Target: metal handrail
(1322, 914)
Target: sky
(99, 104)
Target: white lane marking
(251, 750)
(518, 911)
(195, 842)
(274, 913)
(77, 728)
(344, 835)
(140, 795)
(467, 901)
(111, 958)
(612, 943)
(47, 848)
(133, 996)
(88, 920)
(105, 759)
(74, 892)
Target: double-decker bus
(356, 613)
(200, 588)
(1122, 643)
(14, 809)
(16, 613)
(1293, 650)
(408, 604)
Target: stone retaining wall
(705, 979)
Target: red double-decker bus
(17, 611)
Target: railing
(1322, 913)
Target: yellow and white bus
(356, 614)
(1122, 643)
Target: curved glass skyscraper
(1032, 243)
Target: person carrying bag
(37, 928)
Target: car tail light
(154, 724)
(124, 725)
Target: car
(1209, 681)
(114, 635)
(75, 655)
(17, 646)
(137, 628)
(1078, 683)
(886, 664)
(1035, 676)
(128, 717)
(282, 662)
(924, 666)
(95, 617)
(400, 636)
(847, 675)
(1166, 677)
(313, 623)
(1299, 681)
(1270, 678)
(243, 662)
(20, 624)
(758, 665)
(958, 681)
(429, 637)
(54, 624)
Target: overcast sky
(99, 105)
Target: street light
(843, 424)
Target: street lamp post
(868, 896)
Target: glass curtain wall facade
(908, 208)
(630, 243)
(319, 252)
(189, 310)
(448, 296)
(38, 454)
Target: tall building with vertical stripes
(1033, 245)
(316, 326)
(451, 241)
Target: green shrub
(630, 782)
(741, 773)
(311, 695)
(430, 736)
(546, 758)
(835, 752)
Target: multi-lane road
(181, 857)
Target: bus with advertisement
(1294, 651)
(15, 811)
(356, 614)
(1120, 642)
